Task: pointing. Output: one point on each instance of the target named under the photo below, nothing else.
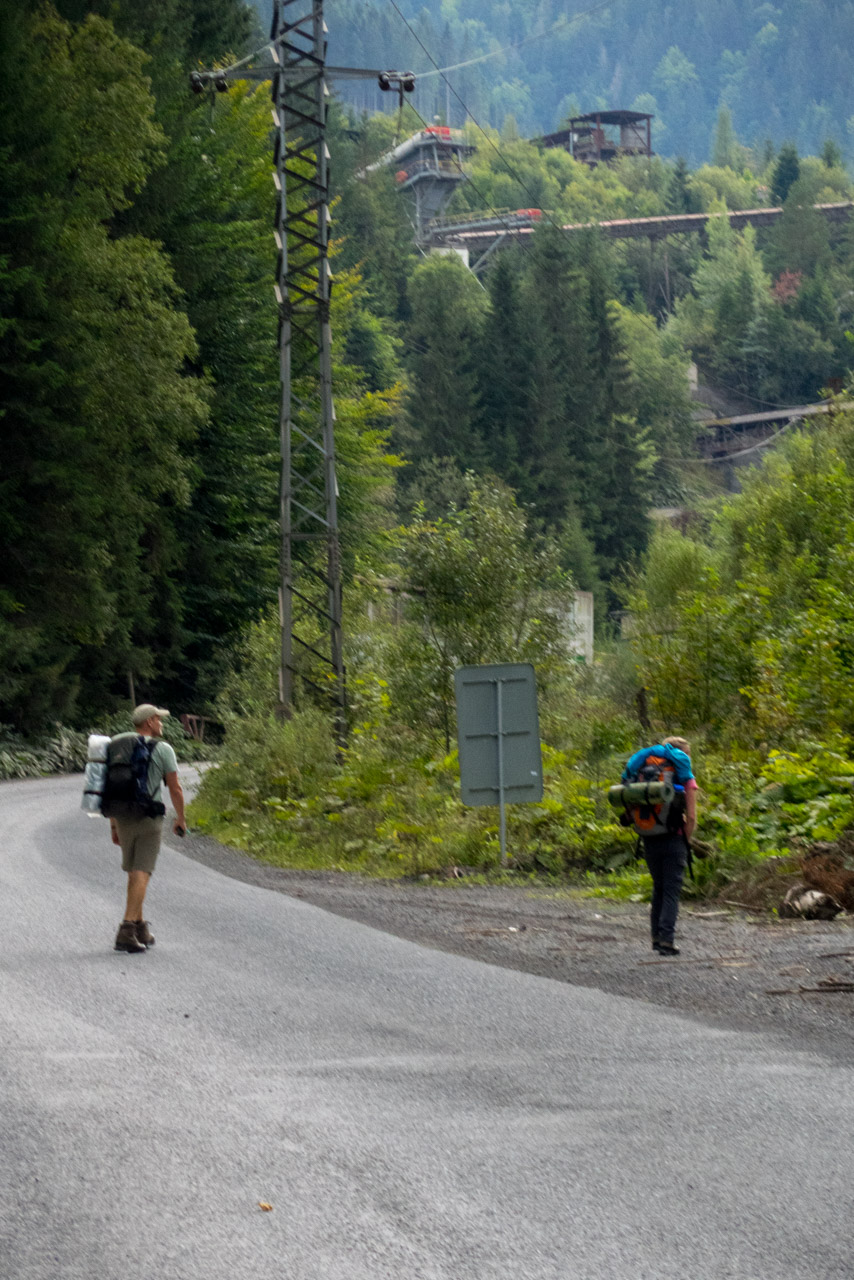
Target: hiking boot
(143, 933)
(126, 939)
(667, 949)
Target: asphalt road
(406, 1112)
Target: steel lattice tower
(310, 592)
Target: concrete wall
(581, 626)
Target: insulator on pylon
(384, 80)
(407, 81)
(197, 82)
(221, 84)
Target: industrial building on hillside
(604, 135)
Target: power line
(469, 180)
(566, 21)
(513, 173)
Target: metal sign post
(498, 734)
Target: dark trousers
(667, 857)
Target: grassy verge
(279, 793)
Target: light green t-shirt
(163, 761)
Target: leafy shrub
(65, 750)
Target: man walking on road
(139, 834)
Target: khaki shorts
(140, 841)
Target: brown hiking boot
(126, 939)
(144, 934)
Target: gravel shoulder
(731, 972)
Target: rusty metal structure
(602, 136)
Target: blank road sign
(498, 733)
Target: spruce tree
(448, 306)
(726, 151)
(507, 390)
(786, 172)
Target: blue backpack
(665, 764)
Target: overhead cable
(470, 115)
(566, 21)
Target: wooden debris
(824, 986)
(721, 960)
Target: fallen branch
(827, 986)
(696, 960)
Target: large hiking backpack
(125, 793)
(651, 799)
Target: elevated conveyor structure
(429, 166)
(476, 238)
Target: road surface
(406, 1112)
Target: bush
(65, 750)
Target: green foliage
(715, 184)
(753, 635)
(60, 749)
(768, 343)
(447, 306)
(727, 153)
(682, 63)
(786, 172)
(481, 591)
(99, 404)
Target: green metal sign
(498, 734)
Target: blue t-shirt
(681, 762)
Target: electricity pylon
(310, 605)
(310, 592)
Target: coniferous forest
(782, 70)
(503, 440)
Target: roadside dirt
(791, 977)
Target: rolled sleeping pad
(626, 794)
(93, 786)
(97, 747)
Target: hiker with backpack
(137, 764)
(659, 797)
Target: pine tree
(448, 308)
(507, 391)
(726, 151)
(786, 173)
(680, 197)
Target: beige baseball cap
(145, 711)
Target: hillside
(784, 69)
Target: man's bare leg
(137, 886)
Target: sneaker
(144, 934)
(667, 949)
(126, 939)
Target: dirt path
(731, 967)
